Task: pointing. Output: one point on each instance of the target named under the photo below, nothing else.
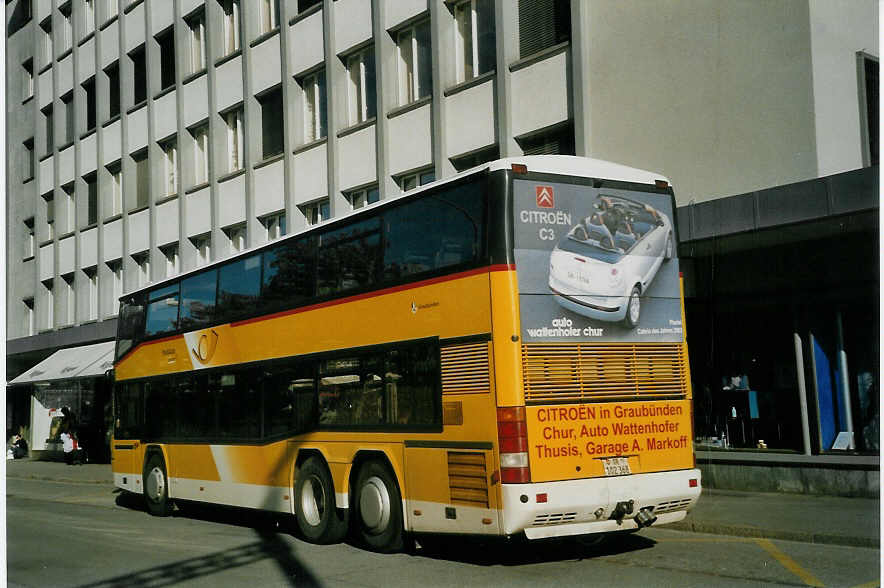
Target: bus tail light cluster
(512, 434)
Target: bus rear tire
(378, 508)
(156, 486)
(315, 509)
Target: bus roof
(566, 165)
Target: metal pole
(845, 381)
(802, 393)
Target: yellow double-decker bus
(498, 353)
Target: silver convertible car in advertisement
(601, 268)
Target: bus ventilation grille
(590, 371)
(554, 518)
(468, 479)
(465, 368)
(672, 505)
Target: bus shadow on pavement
(516, 552)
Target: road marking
(872, 584)
(789, 563)
(705, 540)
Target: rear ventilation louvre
(468, 479)
(590, 371)
(465, 368)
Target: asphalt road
(65, 534)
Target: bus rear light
(512, 436)
(519, 168)
(692, 483)
(541, 498)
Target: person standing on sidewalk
(67, 441)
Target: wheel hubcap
(374, 505)
(313, 501)
(156, 484)
(634, 308)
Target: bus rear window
(130, 324)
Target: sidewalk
(794, 517)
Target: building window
(116, 189)
(66, 28)
(869, 114)
(314, 106)
(139, 75)
(203, 246)
(200, 136)
(69, 212)
(230, 8)
(29, 315)
(274, 224)
(304, 5)
(28, 69)
(474, 38)
(22, 13)
(411, 181)
(29, 159)
(316, 212)
(142, 179)
(237, 238)
(196, 25)
(91, 199)
(542, 24)
(50, 304)
(30, 240)
(415, 63)
(91, 274)
(49, 121)
(67, 103)
(271, 123)
(142, 262)
(360, 198)
(269, 17)
(170, 252)
(70, 299)
(116, 269)
(170, 166)
(49, 199)
(89, 90)
(361, 87)
(233, 120)
(46, 27)
(465, 162)
(113, 85)
(166, 41)
(111, 9)
(88, 16)
(558, 140)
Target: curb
(61, 480)
(758, 533)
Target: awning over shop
(75, 362)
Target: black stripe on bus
(483, 445)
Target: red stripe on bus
(491, 268)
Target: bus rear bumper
(581, 507)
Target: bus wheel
(379, 509)
(156, 486)
(633, 308)
(315, 508)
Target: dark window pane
(167, 60)
(351, 391)
(271, 123)
(871, 70)
(139, 73)
(435, 232)
(127, 411)
(113, 80)
(323, 110)
(412, 375)
(159, 410)
(198, 299)
(348, 257)
(371, 102)
(485, 32)
(424, 60)
(239, 284)
(289, 271)
(542, 24)
(289, 399)
(89, 87)
(142, 173)
(196, 407)
(92, 200)
(237, 397)
(162, 312)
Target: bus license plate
(616, 466)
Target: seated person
(598, 231)
(624, 238)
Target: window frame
(170, 182)
(358, 90)
(315, 112)
(196, 40)
(231, 40)
(410, 70)
(200, 139)
(234, 137)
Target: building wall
(715, 95)
(839, 29)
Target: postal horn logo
(206, 346)
(545, 196)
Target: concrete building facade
(148, 137)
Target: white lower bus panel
(582, 507)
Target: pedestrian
(19, 447)
(67, 441)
